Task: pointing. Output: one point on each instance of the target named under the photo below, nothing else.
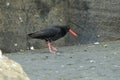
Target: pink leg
(52, 49)
(49, 47)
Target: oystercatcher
(52, 34)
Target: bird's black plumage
(51, 33)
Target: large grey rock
(10, 70)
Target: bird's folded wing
(45, 33)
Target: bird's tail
(30, 35)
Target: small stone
(117, 66)
(105, 45)
(70, 57)
(7, 4)
(98, 36)
(61, 20)
(85, 50)
(15, 44)
(96, 43)
(21, 20)
(32, 48)
(92, 61)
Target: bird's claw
(53, 49)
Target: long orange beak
(73, 33)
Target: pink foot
(52, 49)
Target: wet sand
(81, 62)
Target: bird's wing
(45, 33)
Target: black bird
(52, 34)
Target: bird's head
(71, 31)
